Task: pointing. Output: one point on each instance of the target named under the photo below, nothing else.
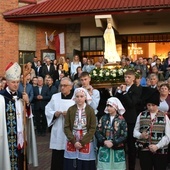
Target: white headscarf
(84, 91)
(115, 102)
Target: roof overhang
(123, 14)
(58, 10)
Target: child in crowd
(79, 128)
(111, 134)
(152, 131)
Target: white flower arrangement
(107, 74)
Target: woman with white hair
(111, 134)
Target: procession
(92, 95)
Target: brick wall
(40, 36)
(20, 36)
(72, 38)
(8, 36)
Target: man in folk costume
(13, 135)
(55, 112)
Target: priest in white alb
(55, 112)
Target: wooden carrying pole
(26, 71)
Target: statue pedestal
(98, 85)
(112, 65)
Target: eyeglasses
(64, 85)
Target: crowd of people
(90, 128)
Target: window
(85, 44)
(92, 44)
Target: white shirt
(48, 67)
(39, 89)
(95, 100)
(163, 106)
(127, 89)
(111, 119)
(80, 116)
(74, 67)
(165, 139)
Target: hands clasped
(153, 148)
(58, 113)
(78, 145)
(108, 143)
(39, 97)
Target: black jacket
(40, 104)
(130, 101)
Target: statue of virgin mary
(110, 45)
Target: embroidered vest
(113, 130)
(80, 124)
(79, 130)
(155, 128)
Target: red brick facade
(8, 36)
(40, 36)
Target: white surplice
(58, 138)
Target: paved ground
(44, 154)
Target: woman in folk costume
(79, 128)
(152, 131)
(111, 134)
(13, 138)
(110, 45)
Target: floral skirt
(109, 159)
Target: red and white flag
(60, 43)
(57, 44)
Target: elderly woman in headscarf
(111, 134)
(79, 128)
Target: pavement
(44, 154)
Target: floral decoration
(108, 75)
